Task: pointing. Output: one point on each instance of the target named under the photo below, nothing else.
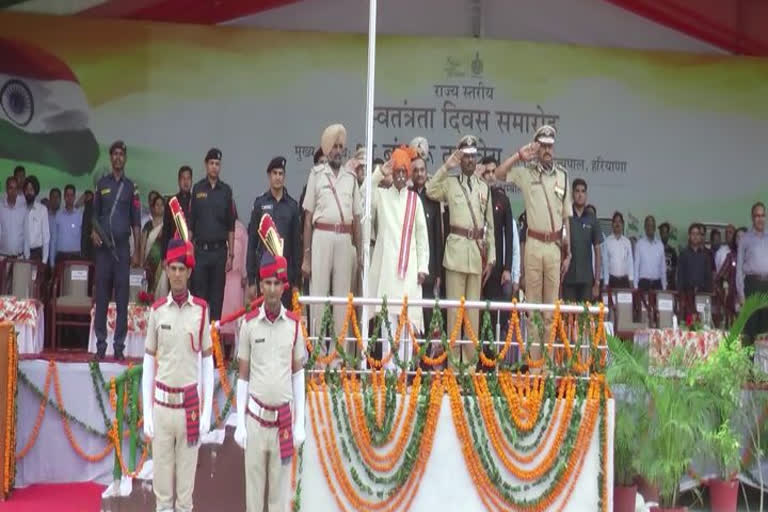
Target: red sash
(191, 407)
(284, 425)
(406, 234)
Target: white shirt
(515, 253)
(720, 256)
(650, 262)
(37, 231)
(617, 258)
(12, 221)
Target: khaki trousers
(263, 467)
(171, 457)
(458, 285)
(542, 282)
(333, 257)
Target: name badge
(259, 340)
(105, 191)
(201, 195)
(165, 326)
(266, 207)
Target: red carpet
(76, 497)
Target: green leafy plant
(677, 410)
(723, 374)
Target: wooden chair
(629, 313)
(72, 296)
(25, 278)
(666, 307)
(136, 283)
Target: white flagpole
(366, 224)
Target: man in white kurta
(401, 255)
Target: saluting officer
(116, 214)
(470, 250)
(548, 206)
(270, 422)
(212, 223)
(177, 333)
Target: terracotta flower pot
(624, 498)
(723, 495)
(647, 490)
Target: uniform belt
(541, 236)
(345, 229)
(168, 396)
(472, 234)
(210, 246)
(264, 414)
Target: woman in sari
(725, 281)
(151, 248)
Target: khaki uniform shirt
(461, 253)
(271, 350)
(177, 336)
(321, 201)
(547, 195)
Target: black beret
(213, 154)
(276, 163)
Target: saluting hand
(529, 151)
(454, 160)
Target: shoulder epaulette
(200, 302)
(293, 316)
(159, 302)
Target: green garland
(296, 506)
(491, 469)
(97, 379)
(52, 403)
(379, 435)
(397, 479)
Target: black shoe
(100, 355)
(119, 355)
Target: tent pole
(366, 224)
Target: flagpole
(366, 235)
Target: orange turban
(401, 159)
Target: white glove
(241, 435)
(147, 396)
(299, 392)
(207, 378)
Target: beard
(30, 199)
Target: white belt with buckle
(261, 412)
(168, 397)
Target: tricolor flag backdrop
(44, 115)
(680, 136)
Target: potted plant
(629, 427)
(677, 414)
(723, 376)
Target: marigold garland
(40, 413)
(218, 354)
(9, 443)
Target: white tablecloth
(134, 338)
(28, 318)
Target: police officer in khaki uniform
(470, 250)
(178, 333)
(271, 386)
(331, 227)
(548, 206)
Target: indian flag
(43, 111)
